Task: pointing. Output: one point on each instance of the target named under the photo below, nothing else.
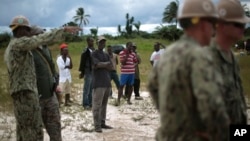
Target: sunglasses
(211, 21)
(237, 25)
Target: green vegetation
(245, 73)
(5, 99)
(145, 48)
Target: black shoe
(98, 130)
(106, 127)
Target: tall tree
(247, 10)
(170, 12)
(71, 23)
(129, 24)
(81, 17)
(137, 26)
(119, 29)
(94, 32)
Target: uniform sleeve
(206, 84)
(29, 43)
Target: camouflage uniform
(186, 90)
(23, 88)
(233, 92)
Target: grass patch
(144, 48)
(244, 62)
(5, 98)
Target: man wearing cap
(22, 77)
(101, 85)
(65, 64)
(47, 86)
(230, 29)
(187, 94)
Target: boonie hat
(232, 11)
(197, 9)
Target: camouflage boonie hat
(197, 8)
(232, 11)
(19, 21)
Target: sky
(104, 14)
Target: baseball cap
(63, 45)
(101, 38)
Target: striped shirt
(129, 66)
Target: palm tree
(170, 12)
(246, 9)
(81, 17)
(94, 31)
(129, 24)
(137, 26)
(71, 23)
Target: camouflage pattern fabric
(22, 78)
(19, 59)
(186, 90)
(28, 114)
(233, 95)
(51, 117)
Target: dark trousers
(114, 77)
(87, 90)
(137, 83)
(136, 86)
(100, 101)
(51, 117)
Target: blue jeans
(115, 78)
(87, 90)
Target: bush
(72, 38)
(4, 39)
